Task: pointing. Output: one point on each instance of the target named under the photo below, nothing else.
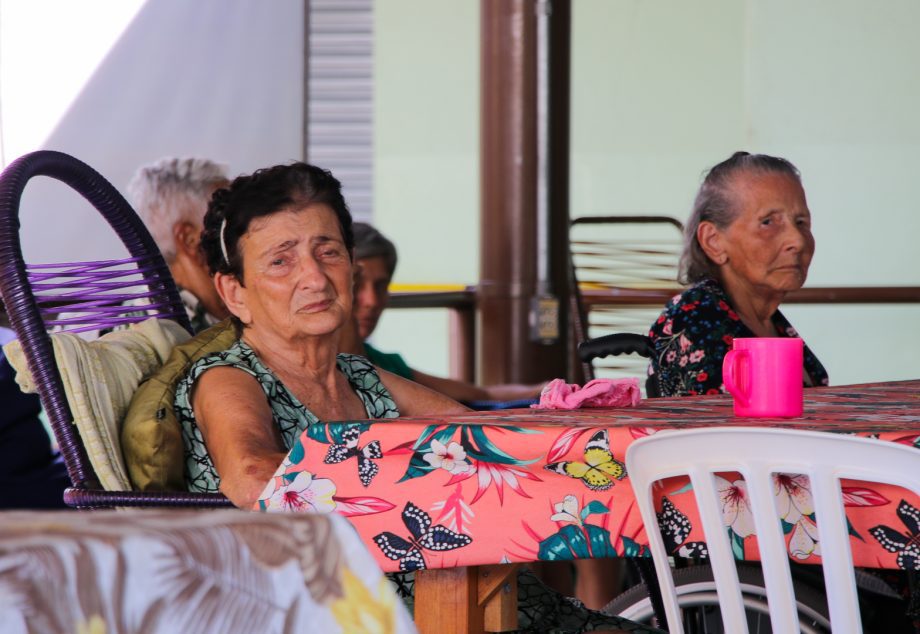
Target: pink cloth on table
(557, 394)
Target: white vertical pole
(544, 309)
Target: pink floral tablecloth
(528, 485)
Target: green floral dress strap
(288, 412)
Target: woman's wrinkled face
(297, 273)
(769, 245)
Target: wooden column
(462, 328)
(508, 162)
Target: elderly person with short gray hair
(747, 244)
(171, 197)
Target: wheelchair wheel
(699, 603)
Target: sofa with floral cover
(222, 571)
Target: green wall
(427, 160)
(653, 101)
(660, 92)
(427, 137)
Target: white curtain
(221, 79)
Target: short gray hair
(173, 190)
(370, 243)
(715, 203)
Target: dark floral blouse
(694, 332)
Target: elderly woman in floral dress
(747, 244)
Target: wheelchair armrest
(619, 343)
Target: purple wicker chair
(93, 294)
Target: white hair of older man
(173, 190)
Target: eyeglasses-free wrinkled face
(769, 245)
(297, 274)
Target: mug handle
(733, 359)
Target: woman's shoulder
(239, 355)
(707, 291)
(360, 371)
(703, 299)
(699, 313)
(353, 362)
(363, 377)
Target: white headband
(223, 244)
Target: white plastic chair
(757, 453)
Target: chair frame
(757, 453)
(622, 343)
(27, 321)
(577, 309)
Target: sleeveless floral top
(289, 414)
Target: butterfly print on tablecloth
(423, 537)
(599, 469)
(367, 468)
(906, 544)
(675, 528)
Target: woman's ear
(712, 242)
(233, 294)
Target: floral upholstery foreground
(189, 571)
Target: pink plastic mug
(764, 375)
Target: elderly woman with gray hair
(747, 244)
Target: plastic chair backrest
(620, 252)
(94, 294)
(758, 453)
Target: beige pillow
(100, 377)
(151, 437)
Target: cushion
(151, 437)
(100, 377)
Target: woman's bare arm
(413, 399)
(462, 391)
(236, 422)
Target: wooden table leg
(445, 601)
(498, 594)
(473, 599)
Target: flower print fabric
(692, 335)
(289, 414)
